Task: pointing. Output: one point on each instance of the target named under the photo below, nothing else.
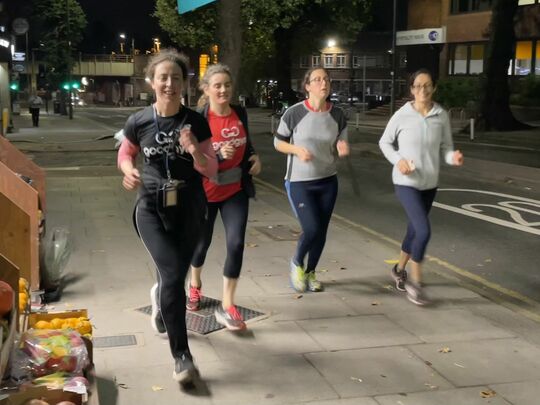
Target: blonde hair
(204, 81)
(167, 55)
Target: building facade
(465, 25)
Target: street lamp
(331, 43)
(122, 42)
(157, 44)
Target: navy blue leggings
(417, 204)
(234, 213)
(312, 202)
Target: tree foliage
(62, 23)
(271, 29)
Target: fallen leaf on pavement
(374, 303)
(323, 271)
(487, 394)
(251, 245)
(431, 386)
(268, 275)
(157, 388)
(488, 260)
(334, 261)
(356, 379)
(343, 268)
(389, 287)
(297, 297)
(459, 365)
(445, 350)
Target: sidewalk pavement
(360, 342)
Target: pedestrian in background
(421, 130)
(171, 205)
(228, 192)
(312, 133)
(34, 104)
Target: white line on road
(60, 169)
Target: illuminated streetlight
(122, 42)
(331, 43)
(157, 44)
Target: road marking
(510, 207)
(499, 146)
(59, 169)
(455, 269)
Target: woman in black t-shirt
(171, 204)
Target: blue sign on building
(187, 5)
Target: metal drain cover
(203, 321)
(114, 341)
(278, 232)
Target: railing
(106, 58)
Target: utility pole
(70, 104)
(393, 73)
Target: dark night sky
(108, 18)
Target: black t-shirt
(141, 130)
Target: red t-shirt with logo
(225, 129)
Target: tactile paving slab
(114, 341)
(203, 321)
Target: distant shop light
(84, 81)
(4, 42)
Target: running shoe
(195, 297)
(298, 277)
(184, 369)
(313, 284)
(416, 294)
(156, 320)
(230, 318)
(400, 277)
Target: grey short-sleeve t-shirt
(316, 131)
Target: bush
(526, 92)
(457, 92)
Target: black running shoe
(400, 277)
(156, 319)
(184, 369)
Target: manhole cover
(278, 232)
(203, 321)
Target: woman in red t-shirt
(228, 192)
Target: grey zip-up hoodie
(420, 139)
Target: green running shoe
(313, 284)
(298, 277)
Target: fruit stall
(46, 358)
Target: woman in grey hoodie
(414, 140)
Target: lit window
(328, 61)
(525, 2)
(340, 60)
(460, 60)
(523, 61)
(476, 65)
(537, 68)
(316, 60)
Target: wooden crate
(10, 274)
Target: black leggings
(234, 213)
(171, 252)
(313, 203)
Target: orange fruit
(56, 323)
(42, 325)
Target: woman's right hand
(227, 151)
(132, 179)
(303, 154)
(405, 166)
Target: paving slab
(357, 332)
(483, 362)
(369, 372)
(520, 393)
(468, 396)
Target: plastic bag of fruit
(49, 351)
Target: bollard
(5, 121)
(273, 124)
(471, 125)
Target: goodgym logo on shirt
(231, 138)
(164, 141)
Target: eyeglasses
(319, 80)
(427, 87)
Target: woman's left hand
(457, 158)
(188, 141)
(343, 148)
(255, 165)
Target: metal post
(393, 73)
(70, 105)
(364, 84)
(357, 120)
(471, 125)
(351, 78)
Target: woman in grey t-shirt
(423, 134)
(313, 133)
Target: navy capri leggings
(417, 204)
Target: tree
(268, 28)
(495, 113)
(62, 23)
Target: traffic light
(71, 85)
(14, 86)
